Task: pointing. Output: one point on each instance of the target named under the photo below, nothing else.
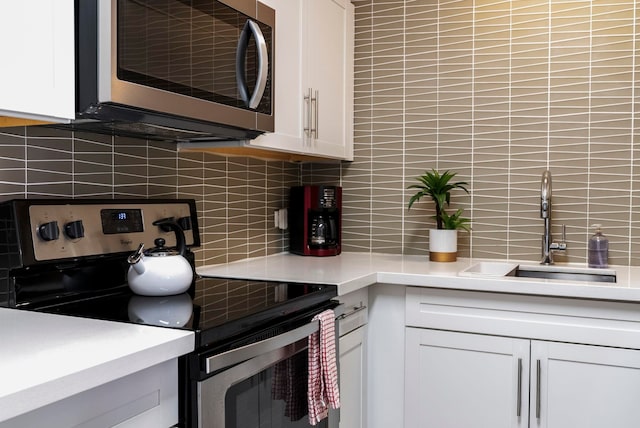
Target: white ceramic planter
(443, 245)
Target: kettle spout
(135, 260)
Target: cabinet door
(288, 110)
(314, 54)
(460, 380)
(352, 379)
(37, 74)
(584, 386)
(328, 74)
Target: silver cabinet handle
(354, 311)
(538, 388)
(519, 395)
(311, 102)
(263, 64)
(316, 126)
(307, 101)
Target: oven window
(274, 398)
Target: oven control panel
(85, 229)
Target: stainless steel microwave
(179, 70)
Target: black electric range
(69, 257)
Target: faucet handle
(562, 245)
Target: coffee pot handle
(333, 230)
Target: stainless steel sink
(500, 269)
(564, 273)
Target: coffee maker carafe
(314, 220)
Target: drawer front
(546, 318)
(356, 312)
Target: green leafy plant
(438, 187)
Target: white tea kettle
(160, 271)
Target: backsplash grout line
(478, 88)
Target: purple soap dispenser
(598, 249)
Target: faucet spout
(548, 246)
(545, 195)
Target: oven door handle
(238, 355)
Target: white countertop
(351, 271)
(45, 358)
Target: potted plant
(443, 240)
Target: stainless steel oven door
(249, 388)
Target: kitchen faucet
(548, 246)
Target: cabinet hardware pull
(316, 110)
(538, 388)
(307, 101)
(355, 310)
(519, 395)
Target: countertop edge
(352, 271)
(169, 345)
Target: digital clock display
(121, 221)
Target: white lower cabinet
(352, 379)
(458, 380)
(352, 359)
(584, 386)
(148, 398)
(481, 360)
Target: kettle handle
(171, 224)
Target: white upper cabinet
(37, 74)
(313, 79)
(327, 76)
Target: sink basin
(489, 269)
(566, 273)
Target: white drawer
(356, 312)
(537, 317)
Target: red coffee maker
(315, 217)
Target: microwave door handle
(251, 28)
(263, 67)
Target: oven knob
(74, 229)
(49, 231)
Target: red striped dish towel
(323, 373)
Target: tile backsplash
(235, 197)
(497, 91)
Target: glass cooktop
(217, 310)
